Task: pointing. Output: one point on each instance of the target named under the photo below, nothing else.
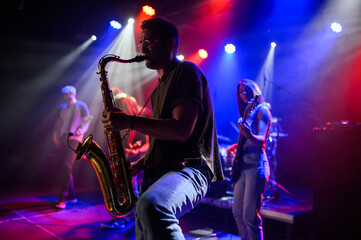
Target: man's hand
(133, 149)
(56, 141)
(115, 121)
(77, 132)
(137, 166)
(245, 130)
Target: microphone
(264, 77)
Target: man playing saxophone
(183, 151)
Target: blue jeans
(248, 193)
(166, 198)
(68, 157)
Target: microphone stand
(276, 155)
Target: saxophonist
(183, 156)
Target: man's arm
(177, 128)
(57, 126)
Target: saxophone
(113, 173)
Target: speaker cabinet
(336, 181)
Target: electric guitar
(85, 121)
(236, 167)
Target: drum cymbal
(224, 139)
(274, 134)
(275, 119)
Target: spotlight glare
(148, 10)
(336, 27)
(180, 57)
(115, 24)
(203, 53)
(94, 37)
(230, 48)
(273, 44)
(131, 20)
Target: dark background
(317, 76)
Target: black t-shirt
(184, 82)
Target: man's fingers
(105, 117)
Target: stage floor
(32, 215)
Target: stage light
(230, 48)
(336, 27)
(131, 20)
(115, 24)
(148, 10)
(94, 37)
(180, 57)
(203, 53)
(273, 44)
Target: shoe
(60, 204)
(115, 223)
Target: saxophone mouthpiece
(139, 58)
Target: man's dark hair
(165, 28)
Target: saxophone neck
(114, 58)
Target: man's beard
(155, 63)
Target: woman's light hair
(253, 87)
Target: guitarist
(72, 121)
(250, 171)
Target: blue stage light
(230, 48)
(336, 27)
(273, 44)
(115, 24)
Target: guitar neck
(85, 121)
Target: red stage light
(148, 10)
